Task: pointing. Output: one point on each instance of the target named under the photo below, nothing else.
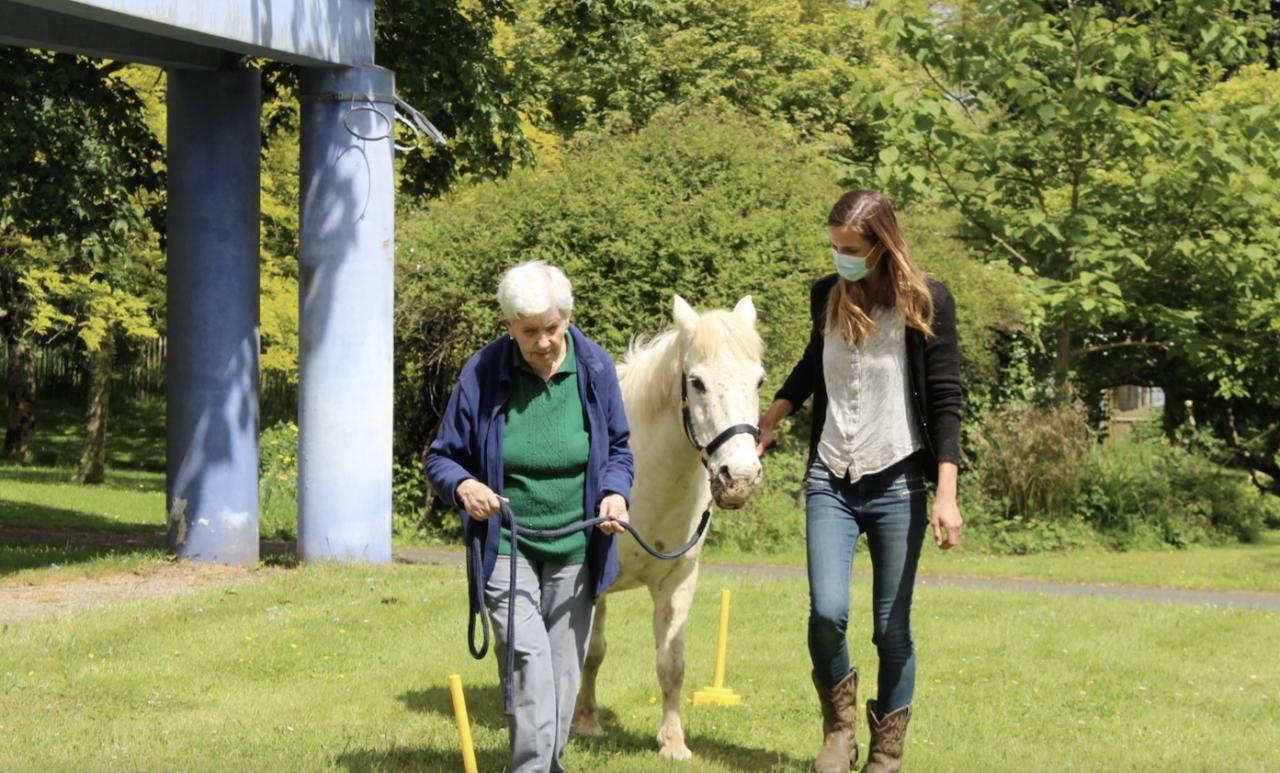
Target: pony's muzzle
(731, 485)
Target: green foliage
(1045, 123)
(1030, 460)
(408, 498)
(1043, 483)
(79, 176)
(1141, 488)
(1026, 537)
(447, 67)
(601, 62)
(709, 205)
(278, 481)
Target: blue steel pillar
(212, 307)
(345, 294)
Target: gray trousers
(553, 622)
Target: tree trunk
(93, 454)
(20, 423)
(1062, 363)
(1273, 37)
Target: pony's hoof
(588, 726)
(676, 752)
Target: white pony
(683, 459)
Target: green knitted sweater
(544, 458)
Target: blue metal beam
(27, 27)
(212, 299)
(313, 33)
(345, 292)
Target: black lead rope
(475, 581)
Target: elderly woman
(536, 421)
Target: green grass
(345, 668)
(1237, 566)
(124, 515)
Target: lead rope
(475, 581)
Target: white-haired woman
(536, 421)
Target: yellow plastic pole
(464, 725)
(717, 694)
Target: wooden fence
(140, 372)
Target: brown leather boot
(839, 715)
(887, 736)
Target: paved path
(1239, 599)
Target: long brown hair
(902, 285)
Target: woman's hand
(768, 419)
(945, 520)
(947, 523)
(613, 507)
(480, 501)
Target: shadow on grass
(126, 480)
(19, 518)
(484, 709)
(417, 759)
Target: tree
(447, 67)
(78, 172)
(1123, 157)
(1041, 123)
(602, 62)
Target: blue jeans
(890, 507)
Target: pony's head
(721, 374)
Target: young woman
(883, 369)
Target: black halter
(719, 440)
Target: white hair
(533, 288)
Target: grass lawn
(131, 503)
(345, 668)
(1236, 566)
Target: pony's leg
(586, 716)
(671, 601)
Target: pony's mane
(650, 371)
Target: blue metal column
(212, 308)
(345, 293)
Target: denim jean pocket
(817, 477)
(910, 486)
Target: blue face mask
(851, 267)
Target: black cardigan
(933, 366)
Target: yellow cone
(717, 694)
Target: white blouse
(869, 423)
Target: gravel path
(19, 602)
(62, 598)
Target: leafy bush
(278, 481)
(1140, 488)
(1040, 482)
(1029, 460)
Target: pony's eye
(697, 384)
(760, 383)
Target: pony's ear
(685, 317)
(746, 309)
